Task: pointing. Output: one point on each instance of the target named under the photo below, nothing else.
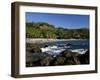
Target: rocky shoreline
(35, 57)
(66, 58)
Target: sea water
(79, 46)
(74, 44)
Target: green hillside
(45, 30)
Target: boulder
(35, 49)
(59, 60)
(72, 61)
(46, 61)
(71, 57)
(68, 53)
(84, 58)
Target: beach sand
(43, 40)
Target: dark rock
(45, 45)
(33, 62)
(84, 58)
(71, 57)
(72, 60)
(46, 61)
(59, 60)
(68, 53)
(66, 58)
(35, 49)
(29, 64)
(68, 44)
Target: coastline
(42, 40)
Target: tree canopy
(46, 30)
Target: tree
(45, 30)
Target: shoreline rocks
(66, 58)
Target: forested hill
(45, 30)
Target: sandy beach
(42, 40)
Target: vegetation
(45, 30)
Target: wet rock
(84, 58)
(59, 60)
(66, 58)
(29, 64)
(45, 45)
(46, 61)
(72, 61)
(69, 44)
(71, 57)
(34, 62)
(35, 49)
(68, 53)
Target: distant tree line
(46, 30)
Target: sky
(70, 21)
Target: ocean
(74, 44)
